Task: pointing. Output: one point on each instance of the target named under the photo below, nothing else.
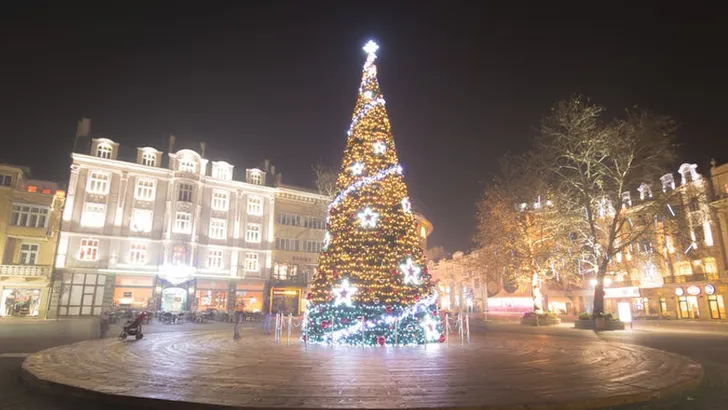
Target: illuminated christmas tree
(372, 286)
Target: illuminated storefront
(135, 292)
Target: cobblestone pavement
(494, 370)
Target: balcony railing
(697, 277)
(624, 284)
(298, 280)
(25, 270)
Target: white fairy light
(394, 169)
(327, 240)
(430, 327)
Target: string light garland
(371, 287)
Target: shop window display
(211, 299)
(20, 302)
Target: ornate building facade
(30, 216)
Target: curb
(98, 398)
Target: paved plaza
(496, 370)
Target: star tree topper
(344, 293)
(411, 272)
(368, 218)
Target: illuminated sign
(709, 289)
(679, 291)
(693, 290)
(630, 292)
(284, 292)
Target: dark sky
(463, 83)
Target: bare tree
(590, 164)
(436, 253)
(516, 231)
(325, 178)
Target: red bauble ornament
(388, 309)
(325, 324)
(343, 321)
(304, 338)
(381, 340)
(441, 339)
(308, 296)
(394, 271)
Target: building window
(98, 183)
(251, 262)
(183, 222)
(694, 205)
(185, 193)
(29, 215)
(187, 166)
(214, 258)
(220, 200)
(711, 266)
(256, 178)
(144, 190)
(255, 205)
(103, 151)
(312, 246)
(222, 172)
(179, 255)
(141, 220)
(32, 188)
(89, 250)
(149, 159)
(282, 271)
(94, 215)
(289, 219)
(29, 253)
(314, 223)
(218, 228)
(287, 244)
(5, 180)
(252, 233)
(138, 253)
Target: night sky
(463, 84)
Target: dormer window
(645, 192)
(222, 170)
(256, 178)
(689, 173)
(103, 151)
(149, 159)
(626, 199)
(668, 182)
(186, 166)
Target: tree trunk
(599, 298)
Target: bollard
(467, 327)
(460, 327)
(275, 330)
(290, 319)
(396, 332)
(304, 329)
(331, 325)
(362, 329)
(447, 328)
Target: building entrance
(174, 299)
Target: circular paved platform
(510, 371)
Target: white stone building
(185, 236)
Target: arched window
(149, 159)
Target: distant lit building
(30, 213)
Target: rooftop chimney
(279, 178)
(266, 165)
(83, 129)
(202, 148)
(171, 144)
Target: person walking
(266, 323)
(239, 314)
(104, 324)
